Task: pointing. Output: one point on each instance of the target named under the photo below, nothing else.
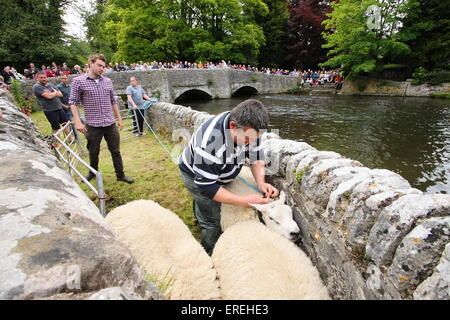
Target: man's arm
(131, 101)
(117, 113)
(258, 173)
(76, 118)
(74, 100)
(47, 94)
(224, 196)
(115, 106)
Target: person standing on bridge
(215, 156)
(96, 94)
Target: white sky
(74, 23)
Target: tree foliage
(194, 30)
(32, 31)
(362, 43)
(304, 47)
(426, 30)
(274, 26)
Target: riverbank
(155, 175)
(388, 88)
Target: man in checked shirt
(97, 96)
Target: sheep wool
(255, 263)
(163, 245)
(231, 214)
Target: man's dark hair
(251, 113)
(40, 72)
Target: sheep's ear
(259, 207)
(282, 198)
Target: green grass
(155, 176)
(444, 95)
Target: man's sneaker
(138, 134)
(126, 179)
(90, 176)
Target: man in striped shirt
(97, 96)
(214, 157)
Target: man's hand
(255, 199)
(120, 124)
(135, 107)
(80, 127)
(269, 190)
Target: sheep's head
(278, 217)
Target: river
(410, 136)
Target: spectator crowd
(311, 78)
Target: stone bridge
(171, 85)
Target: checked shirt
(96, 98)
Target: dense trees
(363, 37)
(194, 30)
(368, 37)
(304, 46)
(427, 32)
(33, 31)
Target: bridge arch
(193, 94)
(245, 91)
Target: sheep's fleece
(255, 263)
(163, 245)
(231, 214)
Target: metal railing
(72, 146)
(72, 160)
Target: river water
(410, 136)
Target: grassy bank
(156, 176)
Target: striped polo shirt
(97, 98)
(212, 158)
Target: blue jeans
(207, 212)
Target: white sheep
(163, 245)
(255, 263)
(276, 215)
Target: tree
(305, 29)
(32, 31)
(194, 30)
(97, 37)
(426, 30)
(363, 35)
(274, 26)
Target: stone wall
(368, 232)
(374, 87)
(54, 244)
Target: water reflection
(410, 136)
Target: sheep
(255, 263)
(165, 248)
(276, 215)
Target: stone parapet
(54, 244)
(369, 233)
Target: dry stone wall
(54, 244)
(370, 234)
(375, 87)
